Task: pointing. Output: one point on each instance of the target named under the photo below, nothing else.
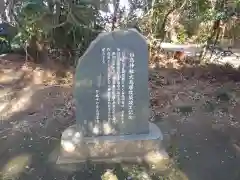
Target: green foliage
(197, 17)
(70, 25)
(4, 45)
(28, 13)
(32, 9)
(73, 24)
(182, 35)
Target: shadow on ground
(199, 105)
(30, 144)
(50, 67)
(196, 107)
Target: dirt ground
(197, 108)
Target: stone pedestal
(134, 147)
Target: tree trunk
(58, 12)
(215, 28)
(162, 29)
(37, 50)
(216, 24)
(2, 11)
(116, 8)
(175, 7)
(50, 5)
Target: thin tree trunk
(215, 28)
(116, 8)
(50, 5)
(216, 23)
(2, 11)
(37, 50)
(58, 12)
(162, 29)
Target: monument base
(134, 147)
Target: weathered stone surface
(112, 97)
(112, 148)
(112, 81)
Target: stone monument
(112, 103)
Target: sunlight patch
(23, 101)
(16, 166)
(109, 176)
(3, 106)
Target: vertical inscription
(114, 80)
(123, 85)
(131, 86)
(109, 84)
(97, 106)
(120, 67)
(118, 93)
(103, 56)
(97, 93)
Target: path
(195, 49)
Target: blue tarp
(3, 29)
